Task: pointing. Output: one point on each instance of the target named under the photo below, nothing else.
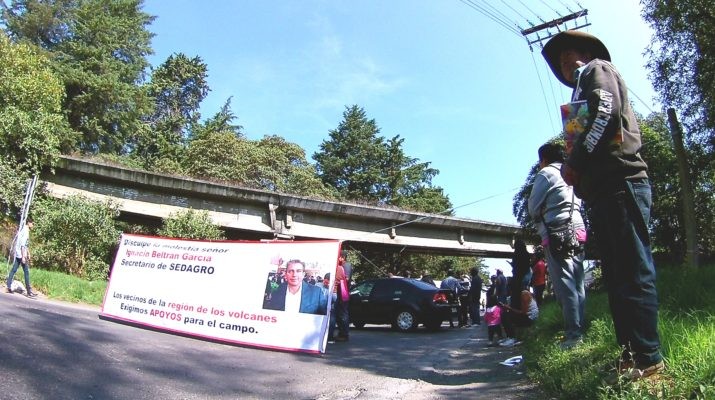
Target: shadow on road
(72, 354)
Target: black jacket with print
(607, 152)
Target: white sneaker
(509, 342)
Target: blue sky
(463, 91)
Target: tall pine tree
(99, 49)
(363, 166)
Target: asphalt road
(53, 350)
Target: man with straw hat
(608, 173)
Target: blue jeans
(567, 277)
(25, 270)
(620, 219)
(474, 307)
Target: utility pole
(689, 221)
(540, 33)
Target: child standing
(492, 316)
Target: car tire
(358, 324)
(405, 320)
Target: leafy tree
(32, 127)
(682, 61)
(218, 150)
(408, 182)
(177, 86)
(427, 199)
(12, 190)
(191, 224)
(99, 50)
(271, 163)
(75, 235)
(222, 121)
(352, 160)
(520, 207)
(703, 174)
(281, 166)
(217, 156)
(215, 150)
(362, 166)
(682, 68)
(44, 23)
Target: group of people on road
(468, 291)
(509, 302)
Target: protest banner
(227, 291)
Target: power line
(546, 101)
(491, 16)
(497, 11)
(517, 12)
(530, 10)
(547, 5)
(505, 23)
(641, 100)
(566, 5)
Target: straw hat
(571, 39)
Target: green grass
(59, 286)
(687, 332)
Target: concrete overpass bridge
(258, 214)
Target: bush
(8, 229)
(191, 224)
(14, 183)
(74, 235)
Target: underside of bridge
(246, 214)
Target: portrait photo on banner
(297, 285)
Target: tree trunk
(691, 232)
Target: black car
(402, 302)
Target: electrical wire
(547, 5)
(491, 16)
(530, 10)
(505, 22)
(447, 211)
(641, 100)
(517, 12)
(495, 10)
(567, 6)
(546, 101)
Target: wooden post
(691, 231)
